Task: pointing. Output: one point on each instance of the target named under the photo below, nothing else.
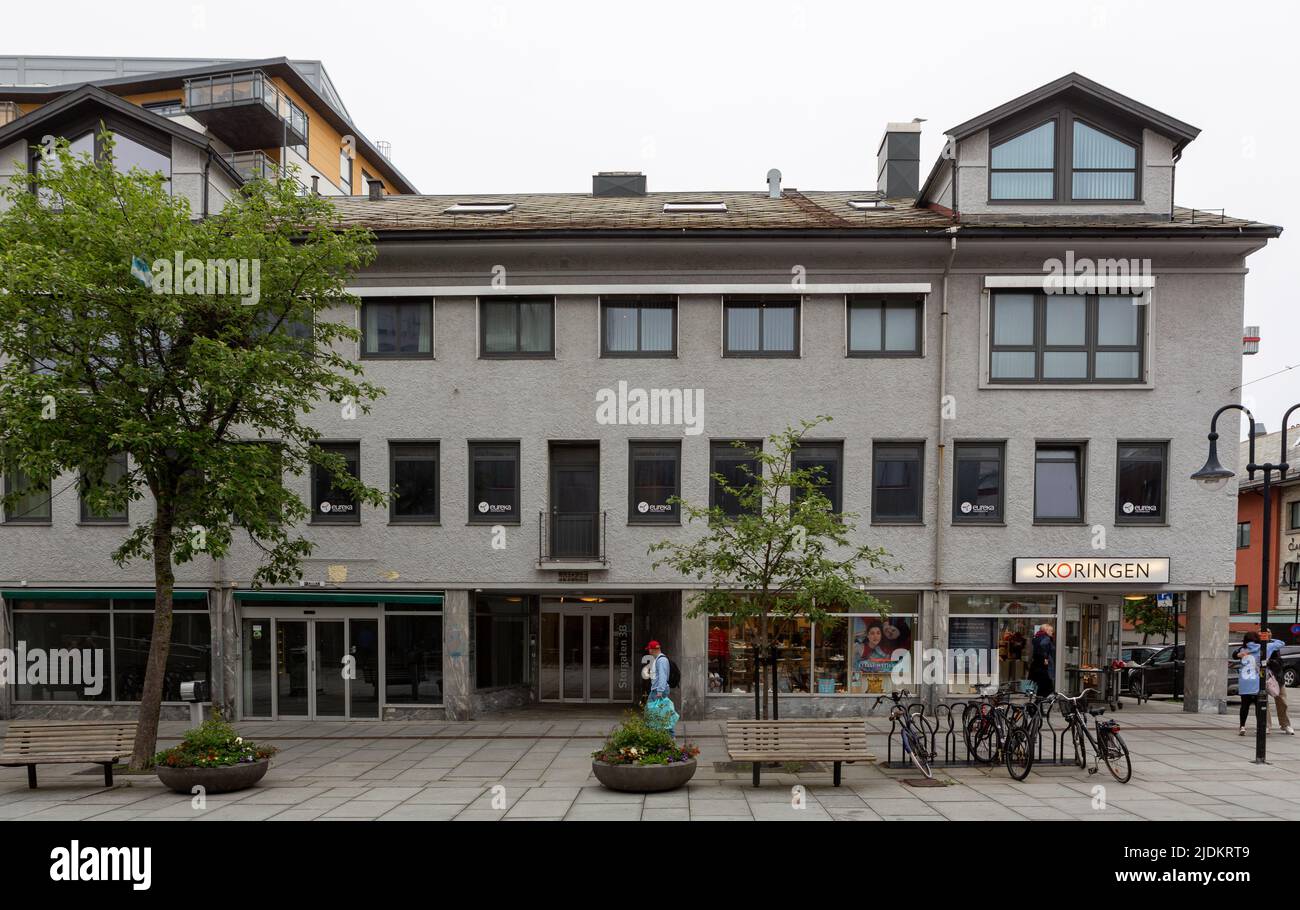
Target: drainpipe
(207, 167)
(942, 445)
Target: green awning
(333, 597)
(87, 594)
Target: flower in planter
(212, 744)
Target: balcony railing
(9, 112)
(570, 537)
(246, 108)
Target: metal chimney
(898, 161)
(773, 184)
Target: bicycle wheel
(979, 739)
(1115, 752)
(920, 753)
(1080, 744)
(1019, 754)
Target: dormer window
(1063, 160)
(1105, 167)
(1024, 166)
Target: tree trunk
(146, 735)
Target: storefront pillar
(934, 635)
(455, 655)
(694, 661)
(227, 654)
(1206, 671)
(6, 641)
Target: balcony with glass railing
(246, 109)
(9, 112)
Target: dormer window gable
(1065, 156)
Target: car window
(1163, 657)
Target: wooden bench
(810, 739)
(95, 742)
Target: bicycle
(1107, 744)
(912, 731)
(987, 724)
(1023, 739)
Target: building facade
(1014, 421)
(1284, 531)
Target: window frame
(1246, 525)
(1161, 517)
(674, 515)
(1091, 347)
(398, 302)
(1054, 170)
(1240, 596)
(487, 518)
(884, 302)
(396, 449)
(1293, 515)
(517, 353)
(1081, 480)
(1135, 170)
(731, 301)
(637, 300)
(10, 489)
(879, 447)
(83, 513)
(997, 517)
(837, 447)
(1065, 117)
(316, 517)
(744, 453)
(346, 169)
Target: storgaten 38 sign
(1090, 570)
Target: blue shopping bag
(661, 715)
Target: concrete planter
(213, 780)
(644, 778)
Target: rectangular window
(1293, 516)
(413, 473)
(1105, 166)
(494, 482)
(413, 669)
(1058, 484)
(825, 460)
(517, 327)
(739, 469)
(113, 474)
(1066, 338)
(1023, 166)
(499, 650)
(329, 503)
(896, 484)
(654, 477)
(1140, 483)
(396, 328)
(345, 172)
(638, 326)
(1243, 535)
(1240, 602)
(884, 327)
(1001, 626)
(31, 502)
(760, 328)
(978, 485)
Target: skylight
(868, 204)
(684, 208)
(480, 208)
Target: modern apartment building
(1003, 345)
(207, 124)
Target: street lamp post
(1214, 475)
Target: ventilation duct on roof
(898, 161)
(618, 183)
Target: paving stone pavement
(1185, 767)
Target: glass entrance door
(585, 653)
(295, 668)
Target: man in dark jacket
(1042, 664)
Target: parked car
(1138, 654)
(1160, 674)
(1290, 655)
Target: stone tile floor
(1185, 766)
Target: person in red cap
(659, 707)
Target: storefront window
(853, 654)
(413, 669)
(994, 633)
(121, 632)
(499, 650)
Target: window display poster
(875, 640)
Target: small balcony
(9, 112)
(245, 109)
(253, 165)
(571, 540)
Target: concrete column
(6, 641)
(1205, 684)
(694, 662)
(227, 658)
(455, 655)
(934, 634)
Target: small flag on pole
(141, 272)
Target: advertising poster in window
(875, 641)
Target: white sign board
(1090, 570)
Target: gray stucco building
(1020, 353)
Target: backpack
(674, 675)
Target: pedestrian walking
(1274, 664)
(1042, 663)
(1250, 676)
(659, 709)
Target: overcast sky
(521, 95)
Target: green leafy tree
(205, 391)
(785, 556)
(1148, 618)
